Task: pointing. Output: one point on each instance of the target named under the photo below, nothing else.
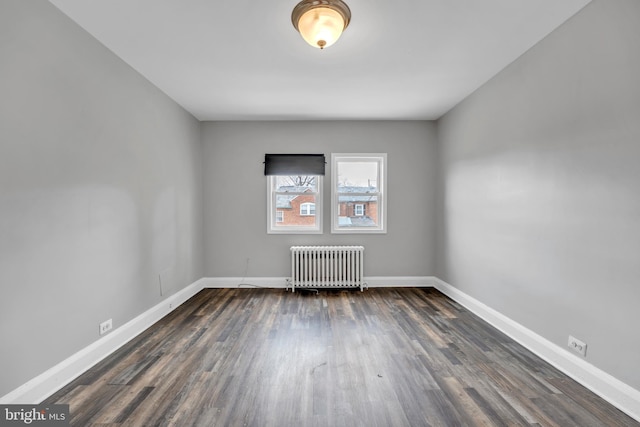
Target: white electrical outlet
(106, 326)
(578, 346)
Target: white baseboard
(281, 282)
(50, 381)
(244, 282)
(619, 394)
(399, 281)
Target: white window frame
(381, 160)
(279, 216)
(274, 227)
(307, 211)
(358, 209)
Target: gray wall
(235, 194)
(100, 191)
(540, 203)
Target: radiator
(327, 266)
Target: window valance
(294, 164)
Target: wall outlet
(578, 346)
(106, 326)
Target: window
(295, 204)
(307, 209)
(358, 198)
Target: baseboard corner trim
(611, 389)
(53, 379)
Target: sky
(357, 174)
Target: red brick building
(356, 208)
(296, 210)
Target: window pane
(299, 184)
(297, 211)
(295, 204)
(358, 194)
(357, 176)
(357, 211)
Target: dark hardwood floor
(383, 357)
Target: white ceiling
(243, 60)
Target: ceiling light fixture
(321, 22)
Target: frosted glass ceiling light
(320, 22)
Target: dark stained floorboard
(384, 357)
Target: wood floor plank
(384, 357)
(606, 414)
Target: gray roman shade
(294, 164)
